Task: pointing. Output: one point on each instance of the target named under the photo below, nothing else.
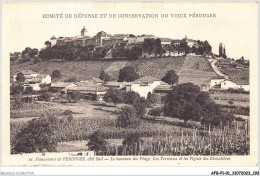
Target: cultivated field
(237, 99)
(197, 70)
(159, 138)
(190, 69)
(87, 69)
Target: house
(243, 84)
(148, 55)
(176, 42)
(190, 42)
(145, 85)
(96, 80)
(28, 74)
(228, 84)
(163, 88)
(216, 81)
(236, 84)
(89, 89)
(166, 41)
(61, 86)
(53, 40)
(33, 79)
(44, 78)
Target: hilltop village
(110, 93)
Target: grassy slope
(193, 69)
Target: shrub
(130, 97)
(140, 107)
(113, 95)
(16, 88)
(56, 74)
(127, 74)
(45, 96)
(37, 136)
(97, 141)
(126, 117)
(155, 112)
(27, 99)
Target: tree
(186, 102)
(20, 77)
(113, 95)
(126, 117)
(97, 141)
(155, 112)
(17, 88)
(37, 136)
(127, 74)
(151, 99)
(56, 74)
(104, 76)
(140, 106)
(170, 77)
(131, 97)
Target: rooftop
(147, 79)
(61, 84)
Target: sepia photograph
(160, 80)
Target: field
(237, 99)
(236, 74)
(159, 138)
(26, 110)
(190, 69)
(196, 70)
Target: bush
(130, 97)
(16, 88)
(56, 74)
(127, 117)
(45, 96)
(140, 107)
(113, 95)
(155, 112)
(97, 141)
(27, 99)
(37, 136)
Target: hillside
(190, 69)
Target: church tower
(220, 49)
(84, 32)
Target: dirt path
(216, 70)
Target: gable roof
(88, 88)
(61, 84)
(166, 40)
(97, 80)
(147, 79)
(41, 75)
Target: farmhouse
(145, 85)
(33, 79)
(61, 86)
(216, 80)
(89, 89)
(236, 84)
(166, 41)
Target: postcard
(129, 84)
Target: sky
(235, 24)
